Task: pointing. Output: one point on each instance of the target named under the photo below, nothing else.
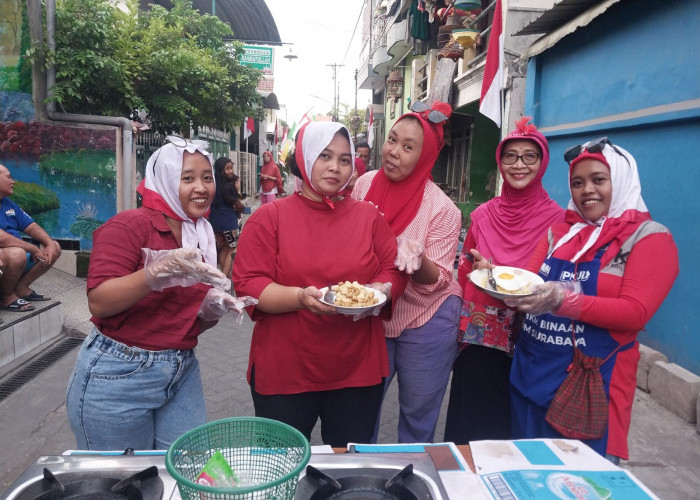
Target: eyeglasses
(528, 159)
(427, 112)
(180, 142)
(595, 146)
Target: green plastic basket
(266, 455)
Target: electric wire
(357, 23)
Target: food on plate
(353, 295)
(512, 281)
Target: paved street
(665, 450)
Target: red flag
(490, 104)
(305, 118)
(370, 128)
(275, 132)
(249, 127)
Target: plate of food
(510, 282)
(352, 298)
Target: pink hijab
(509, 227)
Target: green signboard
(258, 57)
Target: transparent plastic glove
(385, 288)
(547, 297)
(180, 267)
(409, 255)
(217, 303)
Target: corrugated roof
(250, 20)
(561, 13)
(553, 37)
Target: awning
(562, 19)
(250, 20)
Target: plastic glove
(548, 297)
(217, 303)
(385, 288)
(180, 267)
(409, 255)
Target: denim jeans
(124, 397)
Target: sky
(321, 32)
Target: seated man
(21, 262)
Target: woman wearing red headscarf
(421, 335)
(270, 179)
(505, 229)
(603, 283)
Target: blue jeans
(124, 397)
(422, 359)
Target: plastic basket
(266, 455)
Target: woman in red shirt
(270, 179)
(306, 361)
(603, 283)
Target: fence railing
(147, 142)
(248, 172)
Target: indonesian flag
(249, 127)
(490, 104)
(275, 132)
(370, 128)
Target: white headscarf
(162, 179)
(316, 137)
(626, 199)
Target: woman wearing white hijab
(152, 289)
(603, 283)
(306, 361)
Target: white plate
(356, 310)
(481, 281)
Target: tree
(174, 65)
(190, 75)
(353, 119)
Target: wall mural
(65, 176)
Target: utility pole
(355, 117)
(356, 89)
(336, 97)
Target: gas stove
(108, 470)
(352, 475)
(97, 473)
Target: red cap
(594, 156)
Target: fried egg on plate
(511, 280)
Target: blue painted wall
(633, 74)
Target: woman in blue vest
(603, 283)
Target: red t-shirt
(297, 242)
(160, 320)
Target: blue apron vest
(544, 350)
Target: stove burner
(96, 485)
(362, 483)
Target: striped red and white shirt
(437, 225)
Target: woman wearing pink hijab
(505, 229)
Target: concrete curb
(669, 384)
(648, 357)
